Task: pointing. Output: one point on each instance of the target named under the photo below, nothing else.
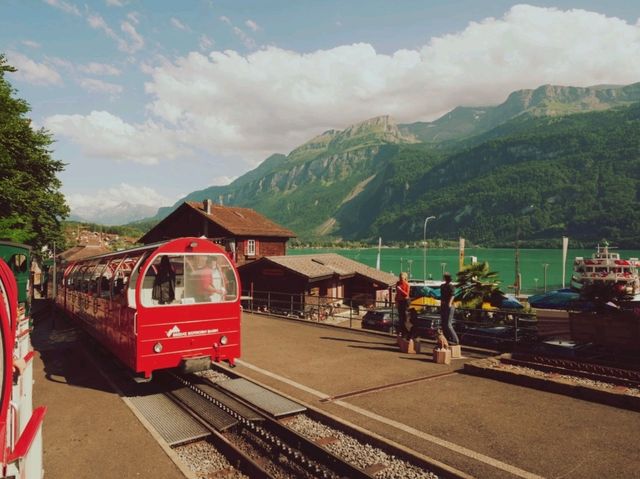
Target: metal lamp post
(424, 247)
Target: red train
(20, 425)
(160, 306)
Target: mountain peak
(374, 131)
(383, 128)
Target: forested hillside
(577, 175)
(536, 177)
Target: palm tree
(477, 284)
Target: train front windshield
(189, 279)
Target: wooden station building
(244, 233)
(303, 279)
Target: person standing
(447, 294)
(217, 281)
(164, 284)
(402, 302)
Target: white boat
(606, 267)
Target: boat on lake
(607, 268)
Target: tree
(477, 284)
(31, 205)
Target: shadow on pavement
(390, 347)
(59, 345)
(350, 340)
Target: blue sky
(150, 100)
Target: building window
(251, 248)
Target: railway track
(254, 444)
(280, 451)
(594, 370)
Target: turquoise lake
(501, 260)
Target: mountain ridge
(349, 184)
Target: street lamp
(546, 267)
(424, 247)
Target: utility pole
(546, 267)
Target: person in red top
(402, 303)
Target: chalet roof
(316, 266)
(82, 251)
(241, 221)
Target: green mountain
(305, 188)
(539, 172)
(547, 100)
(577, 175)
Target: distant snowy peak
(119, 214)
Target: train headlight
(157, 348)
(224, 340)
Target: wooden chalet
(308, 278)
(245, 234)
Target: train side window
(77, 277)
(209, 279)
(106, 281)
(122, 276)
(18, 263)
(88, 283)
(136, 265)
(101, 280)
(163, 281)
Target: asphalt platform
(89, 431)
(485, 428)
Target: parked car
(380, 320)
(426, 324)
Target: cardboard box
(442, 356)
(406, 347)
(456, 351)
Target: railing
(498, 329)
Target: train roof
(15, 245)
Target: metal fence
(499, 329)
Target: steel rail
(601, 372)
(236, 457)
(309, 456)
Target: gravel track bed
(566, 377)
(357, 453)
(257, 450)
(213, 375)
(203, 459)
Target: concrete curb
(557, 386)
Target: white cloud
(110, 197)
(222, 180)
(31, 44)
(205, 42)
(95, 68)
(64, 6)
(272, 100)
(246, 40)
(33, 72)
(98, 86)
(134, 17)
(103, 135)
(137, 42)
(178, 24)
(115, 3)
(252, 25)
